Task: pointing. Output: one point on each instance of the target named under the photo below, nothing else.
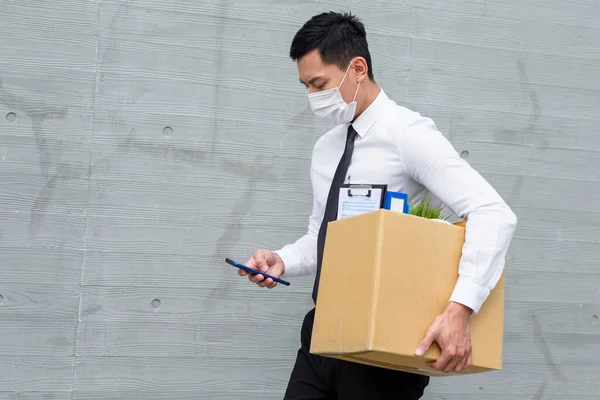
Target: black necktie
(331, 209)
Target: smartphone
(255, 271)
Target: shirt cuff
(290, 262)
(469, 293)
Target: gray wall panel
(38, 320)
(36, 377)
(123, 322)
(142, 142)
(178, 378)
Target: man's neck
(370, 91)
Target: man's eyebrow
(312, 80)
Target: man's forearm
(488, 235)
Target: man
(375, 140)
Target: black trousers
(319, 378)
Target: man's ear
(360, 68)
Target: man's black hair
(338, 37)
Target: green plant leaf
(424, 209)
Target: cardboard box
(385, 277)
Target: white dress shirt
(401, 148)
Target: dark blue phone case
(255, 271)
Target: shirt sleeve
(432, 161)
(300, 257)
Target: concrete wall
(143, 141)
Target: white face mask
(329, 104)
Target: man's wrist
(282, 263)
(280, 258)
(458, 309)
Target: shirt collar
(367, 119)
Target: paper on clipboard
(360, 199)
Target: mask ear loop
(346, 74)
(356, 93)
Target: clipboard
(357, 199)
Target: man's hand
(265, 261)
(451, 331)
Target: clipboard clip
(363, 187)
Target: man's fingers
(426, 342)
(458, 356)
(250, 264)
(272, 285)
(261, 261)
(266, 283)
(447, 358)
(441, 363)
(469, 360)
(256, 278)
(452, 363)
(461, 364)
